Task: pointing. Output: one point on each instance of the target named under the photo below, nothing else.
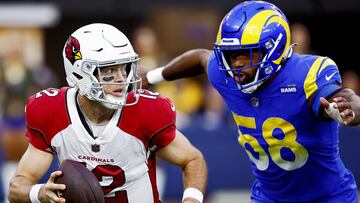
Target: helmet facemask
(105, 78)
(257, 58)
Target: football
(81, 184)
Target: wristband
(193, 193)
(34, 193)
(155, 76)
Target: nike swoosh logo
(328, 77)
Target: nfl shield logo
(95, 148)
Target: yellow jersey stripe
(310, 85)
(327, 62)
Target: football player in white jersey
(106, 121)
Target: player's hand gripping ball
(81, 184)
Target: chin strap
(288, 52)
(253, 88)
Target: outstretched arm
(190, 63)
(343, 106)
(180, 152)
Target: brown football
(81, 184)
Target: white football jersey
(122, 157)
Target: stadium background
(32, 35)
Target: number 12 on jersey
(48, 92)
(111, 178)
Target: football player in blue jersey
(287, 106)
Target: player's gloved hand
(48, 192)
(339, 109)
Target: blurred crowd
(20, 77)
(22, 74)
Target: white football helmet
(92, 47)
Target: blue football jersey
(294, 154)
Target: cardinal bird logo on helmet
(72, 50)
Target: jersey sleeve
(161, 125)
(151, 120)
(38, 140)
(322, 80)
(35, 132)
(162, 138)
(45, 115)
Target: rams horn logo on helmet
(72, 50)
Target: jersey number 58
(275, 145)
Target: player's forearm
(195, 173)
(19, 189)
(188, 64)
(355, 106)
